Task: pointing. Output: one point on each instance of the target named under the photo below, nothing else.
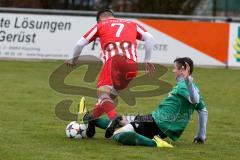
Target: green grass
(30, 130)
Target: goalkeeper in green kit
(171, 116)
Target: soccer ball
(76, 130)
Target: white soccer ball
(76, 130)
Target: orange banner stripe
(207, 37)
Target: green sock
(132, 138)
(102, 122)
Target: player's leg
(146, 126)
(102, 122)
(104, 105)
(123, 71)
(127, 136)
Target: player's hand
(186, 72)
(70, 63)
(149, 68)
(198, 140)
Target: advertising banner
(206, 43)
(234, 45)
(40, 36)
(30, 36)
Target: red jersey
(117, 36)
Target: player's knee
(104, 90)
(103, 98)
(126, 128)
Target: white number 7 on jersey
(121, 26)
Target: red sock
(97, 111)
(109, 108)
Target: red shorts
(118, 71)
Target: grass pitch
(30, 130)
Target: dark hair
(181, 63)
(103, 11)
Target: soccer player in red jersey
(118, 42)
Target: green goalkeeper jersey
(174, 112)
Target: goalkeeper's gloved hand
(198, 140)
